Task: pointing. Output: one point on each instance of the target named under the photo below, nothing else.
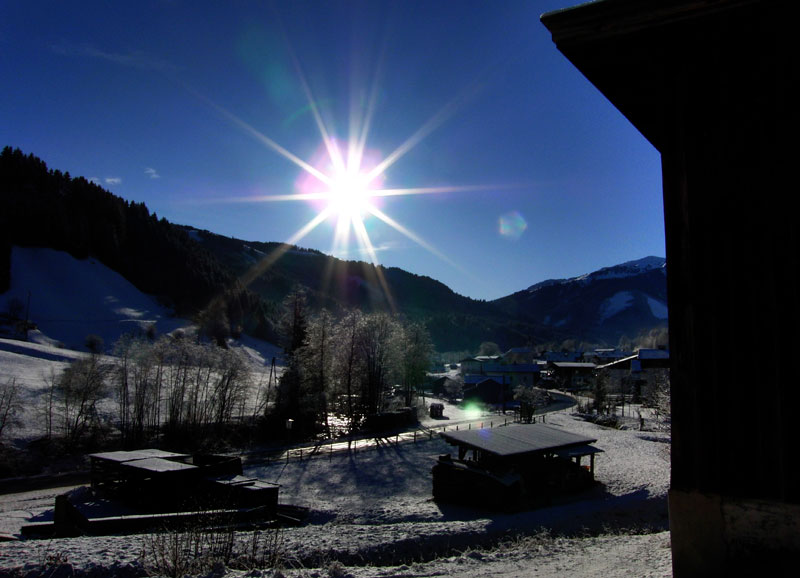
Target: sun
(350, 196)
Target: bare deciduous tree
(80, 387)
(9, 404)
(417, 350)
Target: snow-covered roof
(653, 354)
(133, 455)
(520, 439)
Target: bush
(209, 549)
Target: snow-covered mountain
(627, 269)
(622, 300)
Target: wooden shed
(514, 466)
(154, 480)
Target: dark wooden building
(712, 85)
(490, 390)
(512, 467)
(153, 480)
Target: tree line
(354, 366)
(186, 393)
(177, 389)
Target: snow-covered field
(376, 505)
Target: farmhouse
(512, 467)
(571, 374)
(476, 364)
(443, 386)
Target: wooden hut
(514, 466)
(154, 480)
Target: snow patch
(658, 308)
(615, 304)
(72, 298)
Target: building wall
(709, 85)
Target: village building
(605, 356)
(472, 365)
(489, 390)
(526, 374)
(633, 377)
(445, 385)
(571, 375)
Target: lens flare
(472, 410)
(512, 225)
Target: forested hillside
(454, 322)
(214, 278)
(231, 285)
(40, 207)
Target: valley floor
(372, 515)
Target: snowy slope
(71, 298)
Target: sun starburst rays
(346, 186)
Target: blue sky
(204, 110)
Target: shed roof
(127, 456)
(519, 439)
(158, 465)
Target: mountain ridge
(242, 283)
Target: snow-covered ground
(372, 510)
(71, 298)
(376, 505)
